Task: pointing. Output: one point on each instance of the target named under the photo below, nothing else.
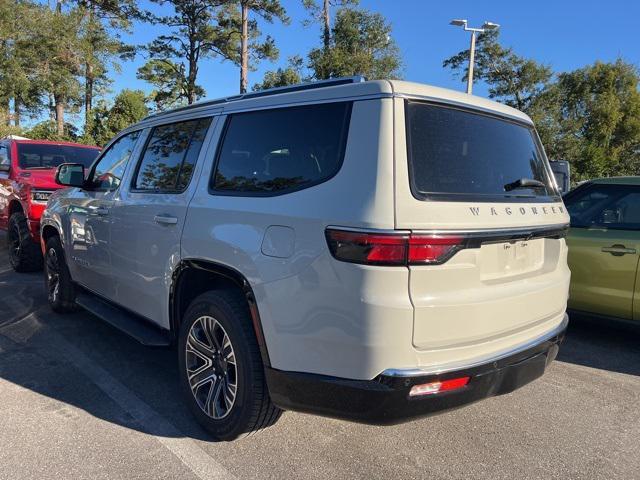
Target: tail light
(391, 248)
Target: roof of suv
(344, 88)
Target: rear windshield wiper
(524, 183)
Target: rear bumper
(385, 399)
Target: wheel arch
(194, 277)
(14, 207)
(48, 231)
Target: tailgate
(499, 284)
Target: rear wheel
(61, 292)
(221, 370)
(24, 253)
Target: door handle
(618, 250)
(101, 211)
(166, 219)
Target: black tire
(24, 253)
(251, 409)
(61, 291)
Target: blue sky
(564, 34)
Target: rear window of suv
(457, 154)
(41, 156)
(271, 152)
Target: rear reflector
(438, 387)
(391, 248)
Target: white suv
(374, 251)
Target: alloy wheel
(211, 367)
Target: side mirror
(70, 175)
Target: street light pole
(472, 61)
(472, 48)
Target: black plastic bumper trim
(385, 400)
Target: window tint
(33, 155)
(273, 151)
(4, 155)
(171, 152)
(463, 155)
(610, 206)
(107, 174)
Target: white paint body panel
(323, 316)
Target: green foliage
(169, 81)
(361, 43)
(6, 129)
(596, 110)
(104, 123)
(48, 130)
(19, 61)
(253, 48)
(282, 77)
(322, 14)
(198, 29)
(101, 47)
(512, 79)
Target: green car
(604, 246)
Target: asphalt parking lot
(80, 400)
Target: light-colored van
(368, 250)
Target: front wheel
(221, 370)
(61, 292)
(24, 253)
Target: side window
(170, 155)
(108, 172)
(607, 206)
(274, 151)
(5, 160)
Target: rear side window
(607, 206)
(461, 155)
(270, 152)
(170, 155)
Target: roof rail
(332, 82)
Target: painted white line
(187, 450)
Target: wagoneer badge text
(518, 211)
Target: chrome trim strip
(419, 372)
(499, 230)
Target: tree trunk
(244, 49)
(193, 72)
(89, 78)
(16, 112)
(327, 25)
(88, 91)
(59, 105)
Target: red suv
(27, 170)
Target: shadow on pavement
(603, 345)
(35, 344)
(39, 351)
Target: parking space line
(186, 449)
